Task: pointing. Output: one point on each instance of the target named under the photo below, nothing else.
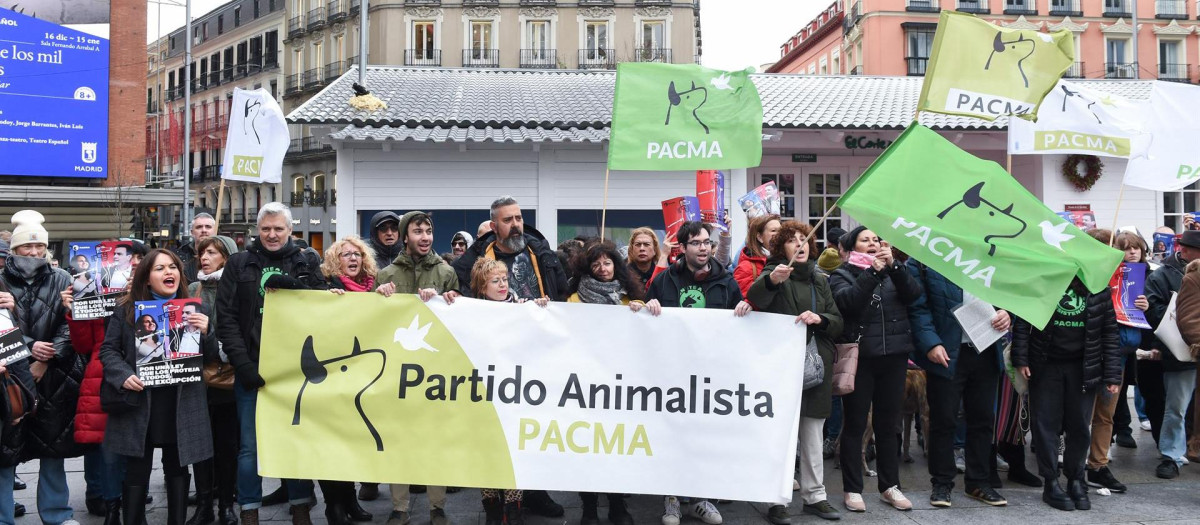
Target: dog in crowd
(916, 404)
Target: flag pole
(1120, 196)
(812, 233)
(604, 208)
(220, 201)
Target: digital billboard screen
(54, 72)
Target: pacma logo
(356, 368)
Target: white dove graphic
(1053, 235)
(413, 337)
(721, 82)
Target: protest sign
(84, 264)
(257, 138)
(1164, 245)
(763, 200)
(678, 211)
(171, 371)
(117, 265)
(710, 190)
(165, 349)
(492, 394)
(1129, 282)
(1080, 215)
(13, 347)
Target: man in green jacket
(417, 270)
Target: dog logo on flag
(978, 210)
(679, 98)
(1014, 48)
(354, 369)
(89, 152)
(250, 113)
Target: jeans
(879, 382)
(249, 483)
(833, 425)
(974, 388)
(1058, 405)
(1172, 441)
(103, 473)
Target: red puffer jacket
(90, 419)
(748, 269)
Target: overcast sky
(736, 33)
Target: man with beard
(203, 227)
(418, 270)
(695, 280)
(533, 272)
(385, 238)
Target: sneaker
(1184, 460)
(1125, 441)
(1001, 464)
(706, 512)
(366, 492)
(1102, 477)
(896, 499)
(828, 447)
(1167, 469)
(70, 522)
(940, 496)
(438, 517)
(987, 495)
(960, 460)
(778, 515)
(854, 502)
(822, 509)
(1145, 424)
(671, 514)
(398, 517)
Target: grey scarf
(27, 268)
(593, 291)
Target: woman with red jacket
(103, 472)
(754, 256)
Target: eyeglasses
(459, 243)
(389, 227)
(697, 244)
(351, 255)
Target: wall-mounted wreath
(1092, 169)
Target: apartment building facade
(239, 44)
(322, 43)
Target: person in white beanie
(58, 370)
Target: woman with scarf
(218, 474)
(791, 284)
(173, 418)
(602, 277)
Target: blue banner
(53, 99)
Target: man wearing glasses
(459, 244)
(385, 238)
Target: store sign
(865, 142)
(804, 157)
(53, 98)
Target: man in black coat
(385, 239)
(534, 270)
(272, 262)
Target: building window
(297, 188)
(339, 49)
(274, 89)
(481, 40)
(1116, 57)
(920, 44)
(824, 68)
(596, 39)
(1172, 65)
(786, 184)
(220, 24)
(812, 69)
(537, 32)
(824, 189)
(318, 54)
(237, 16)
(835, 62)
(1178, 204)
(654, 34)
(423, 39)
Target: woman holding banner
(873, 292)
(218, 474)
(792, 285)
(759, 234)
(171, 417)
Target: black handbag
(118, 401)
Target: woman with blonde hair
(349, 266)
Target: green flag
(674, 117)
(972, 222)
(983, 70)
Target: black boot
(204, 494)
(226, 515)
(133, 503)
(493, 511)
(590, 516)
(112, 512)
(1053, 495)
(1017, 473)
(540, 503)
(1077, 490)
(335, 501)
(512, 513)
(177, 494)
(353, 509)
(618, 514)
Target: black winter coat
(554, 278)
(384, 254)
(243, 285)
(875, 308)
(1101, 346)
(42, 317)
(190, 259)
(14, 437)
(719, 289)
(1159, 285)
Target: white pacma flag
(1174, 160)
(257, 139)
(1075, 119)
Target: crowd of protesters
(1064, 393)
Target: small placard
(804, 157)
(94, 307)
(171, 372)
(13, 347)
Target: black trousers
(879, 383)
(1058, 404)
(1122, 419)
(219, 474)
(974, 384)
(1154, 393)
(137, 470)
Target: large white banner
(571, 397)
(1174, 158)
(257, 139)
(1075, 119)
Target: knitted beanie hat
(29, 229)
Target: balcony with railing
(312, 78)
(355, 7)
(319, 198)
(1020, 7)
(214, 77)
(538, 3)
(291, 85)
(597, 59)
(856, 71)
(1065, 8)
(207, 173)
(923, 6)
(333, 197)
(297, 200)
(1119, 70)
(597, 3)
(423, 2)
(296, 26)
(1075, 71)
(336, 10)
(979, 7)
(335, 70)
(652, 54)
(480, 3)
(1118, 8)
(539, 59)
(1173, 72)
(423, 57)
(481, 58)
(313, 145)
(316, 19)
(1170, 9)
(295, 147)
(648, 3)
(917, 65)
(853, 16)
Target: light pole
(186, 214)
